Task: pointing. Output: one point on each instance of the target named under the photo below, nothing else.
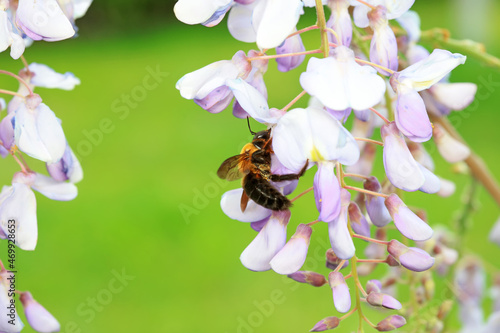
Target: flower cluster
(28, 127)
(372, 72)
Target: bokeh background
(150, 157)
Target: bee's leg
(291, 176)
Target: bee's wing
(229, 169)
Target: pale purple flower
(67, 168)
(340, 22)
(207, 86)
(312, 135)
(447, 188)
(383, 300)
(206, 12)
(400, 166)
(43, 20)
(37, 316)
(373, 286)
(46, 77)
(266, 22)
(340, 83)
(410, 21)
(327, 323)
(383, 47)
(341, 296)
(7, 131)
(312, 278)
(391, 323)
(432, 183)
(290, 45)
(293, 255)
(443, 97)
(340, 238)
(450, 148)
(332, 261)
(412, 258)
(375, 205)
(407, 222)
(411, 115)
(270, 240)
(38, 132)
(9, 38)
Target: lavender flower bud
(358, 221)
(382, 300)
(375, 207)
(373, 286)
(412, 258)
(341, 296)
(391, 323)
(391, 261)
(332, 261)
(326, 324)
(38, 317)
(312, 278)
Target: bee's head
(261, 138)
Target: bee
(253, 164)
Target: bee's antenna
(248, 122)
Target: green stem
(320, 11)
(440, 37)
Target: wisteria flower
(383, 47)
(38, 132)
(8, 38)
(6, 305)
(340, 22)
(37, 316)
(43, 20)
(340, 83)
(45, 77)
(340, 238)
(411, 115)
(395, 9)
(313, 135)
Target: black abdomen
(264, 194)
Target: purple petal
(326, 324)
(341, 296)
(412, 258)
(290, 45)
(391, 323)
(340, 22)
(358, 221)
(375, 205)
(38, 317)
(432, 183)
(411, 116)
(383, 47)
(400, 166)
(327, 192)
(217, 100)
(407, 222)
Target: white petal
(410, 21)
(447, 188)
(340, 83)
(17, 47)
(252, 101)
(230, 204)
(239, 23)
(455, 96)
(198, 11)
(429, 71)
(274, 20)
(451, 149)
(267, 243)
(5, 39)
(20, 205)
(396, 8)
(80, 8)
(53, 189)
(39, 134)
(293, 255)
(340, 239)
(200, 83)
(46, 77)
(432, 183)
(43, 20)
(312, 134)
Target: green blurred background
(158, 155)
